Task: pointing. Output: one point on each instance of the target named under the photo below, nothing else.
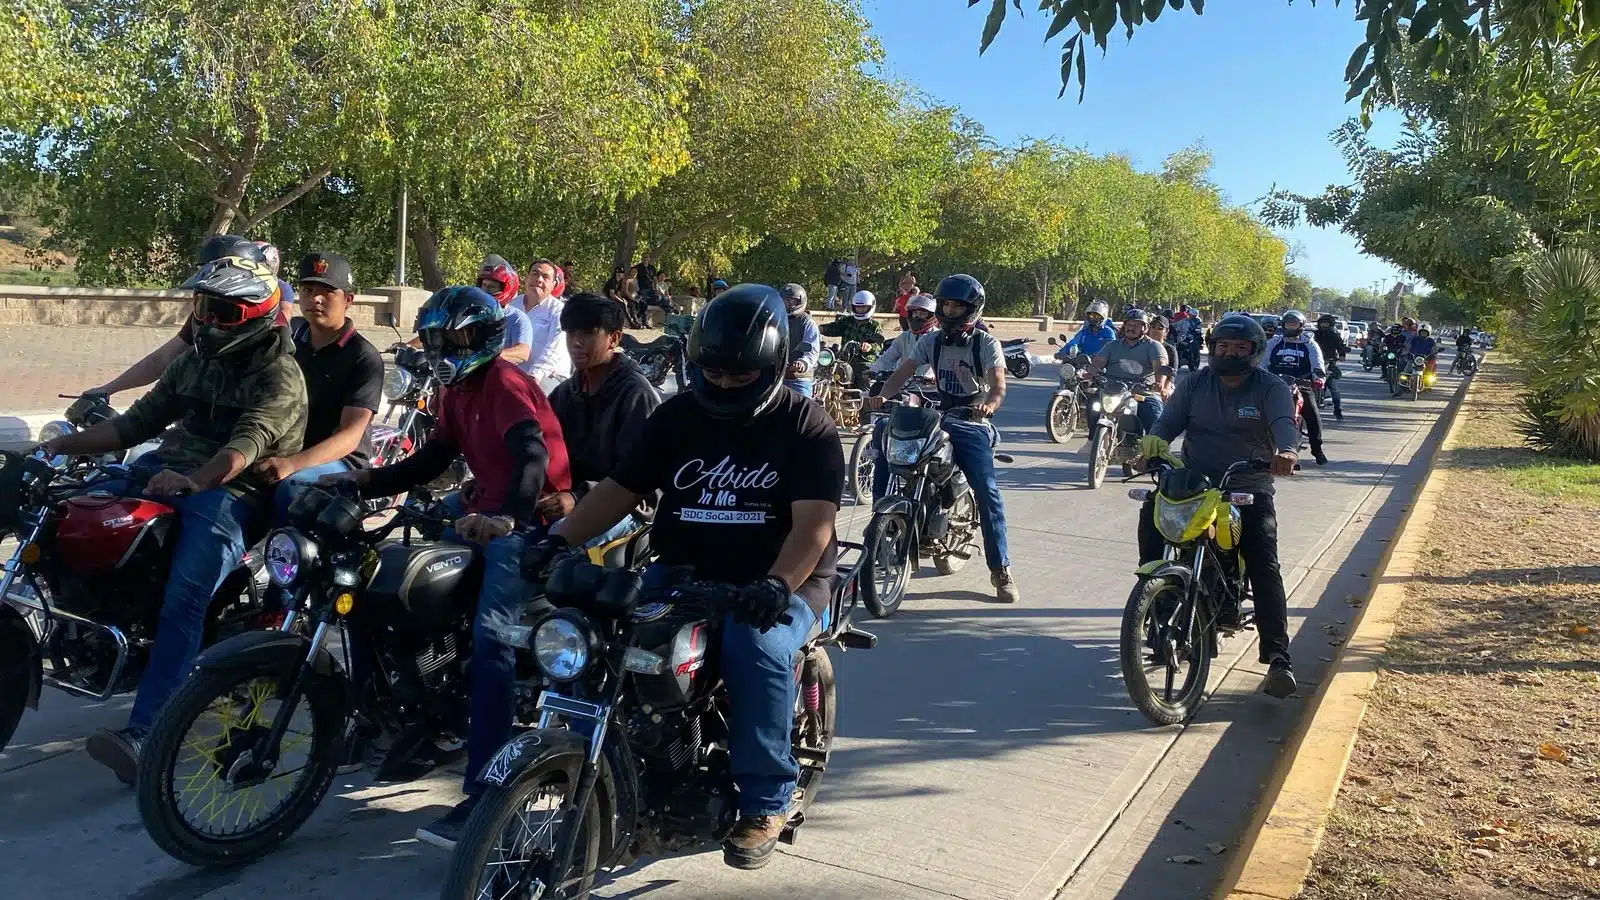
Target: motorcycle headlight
(562, 646)
(1094, 405)
(1069, 375)
(396, 382)
(288, 554)
(1173, 518)
(55, 429)
(904, 452)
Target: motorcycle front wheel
(886, 563)
(1102, 440)
(1161, 637)
(861, 463)
(1062, 417)
(196, 797)
(18, 657)
(507, 846)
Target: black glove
(78, 412)
(540, 557)
(763, 604)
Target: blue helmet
(463, 328)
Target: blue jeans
(758, 669)
(800, 385)
(212, 537)
(972, 445)
(1149, 411)
(289, 488)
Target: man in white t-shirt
(548, 361)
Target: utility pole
(400, 237)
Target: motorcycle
(1189, 350)
(867, 454)
(411, 388)
(1113, 420)
(1391, 371)
(1299, 386)
(1466, 363)
(929, 509)
(641, 767)
(84, 586)
(1018, 363)
(1324, 396)
(833, 386)
(1064, 414)
(664, 355)
(244, 751)
(1371, 352)
(1169, 625)
(1415, 377)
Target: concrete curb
(1278, 846)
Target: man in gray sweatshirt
(1232, 411)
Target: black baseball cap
(330, 269)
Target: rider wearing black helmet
(805, 339)
(970, 370)
(750, 476)
(1233, 410)
(1334, 349)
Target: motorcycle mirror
(1050, 341)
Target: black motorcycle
(244, 751)
(1390, 360)
(412, 388)
(1189, 350)
(929, 509)
(641, 767)
(664, 355)
(1018, 363)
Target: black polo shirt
(347, 372)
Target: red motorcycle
(83, 589)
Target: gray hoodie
(1222, 425)
(600, 428)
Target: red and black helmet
(495, 268)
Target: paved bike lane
(985, 750)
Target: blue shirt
(1088, 341)
(518, 329)
(805, 346)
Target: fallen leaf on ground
(1216, 849)
(1531, 679)
(1481, 853)
(1554, 752)
(1184, 860)
(1579, 630)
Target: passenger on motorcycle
(971, 372)
(1169, 372)
(1330, 341)
(547, 363)
(805, 340)
(148, 369)
(1094, 334)
(238, 397)
(750, 477)
(902, 297)
(1231, 411)
(1137, 360)
(1291, 352)
(602, 407)
(344, 382)
(921, 318)
(494, 415)
(858, 329)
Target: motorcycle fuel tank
(101, 532)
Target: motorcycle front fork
(270, 746)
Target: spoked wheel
(1063, 418)
(1165, 654)
(962, 537)
(1102, 440)
(202, 795)
(886, 563)
(861, 463)
(506, 850)
(814, 718)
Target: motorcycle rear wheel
(1062, 418)
(815, 737)
(861, 463)
(1155, 602)
(885, 563)
(480, 860)
(963, 515)
(1102, 440)
(161, 790)
(1019, 367)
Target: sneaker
(118, 751)
(446, 830)
(1319, 456)
(1280, 678)
(1005, 587)
(751, 842)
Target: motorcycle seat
(1016, 342)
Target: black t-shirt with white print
(726, 488)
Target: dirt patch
(1476, 772)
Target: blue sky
(1260, 82)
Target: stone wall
(31, 305)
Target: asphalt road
(987, 751)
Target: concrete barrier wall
(31, 305)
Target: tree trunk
(427, 244)
(1041, 284)
(632, 208)
(228, 199)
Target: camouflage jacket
(253, 402)
(850, 329)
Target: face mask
(1231, 365)
(728, 403)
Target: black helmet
(1325, 320)
(219, 246)
(235, 299)
(463, 329)
(794, 297)
(962, 289)
(1134, 315)
(745, 329)
(1238, 327)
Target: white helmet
(926, 303)
(271, 254)
(862, 304)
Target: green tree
(1297, 293)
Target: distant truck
(1363, 314)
